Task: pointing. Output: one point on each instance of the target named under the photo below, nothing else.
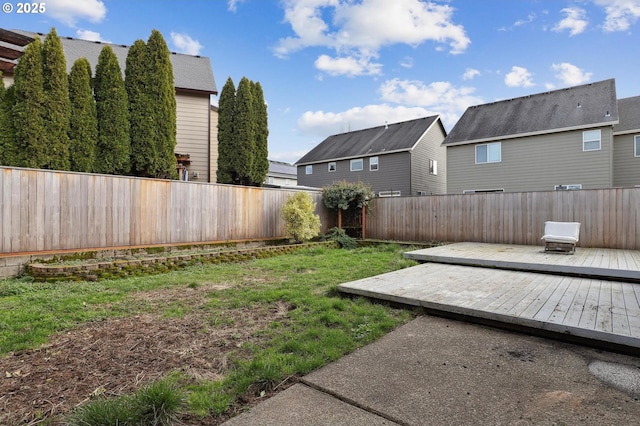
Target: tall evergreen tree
(162, 98)
(56, 102)
(261, 153)
(226, 113)
(144, 148)
(8, 148)
(83, 125)
(114, 148)
(244, 145)
(28, 111)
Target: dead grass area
(117, 356)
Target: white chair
(561, 236)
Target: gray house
(281, 174)
(580, 137)
(398, 159)
(196, 121)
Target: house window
(357, 165)
(489, 153)
(308, 170)
(332, 166)
(591, 140)
(373, 164)
(570, 187)
(433, 167)
(636, 144)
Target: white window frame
(588, 137)
(636, 145)
(568, 187)
(374, 164)
(356, 161)
(335, 167)
(433, 167)
(308, 170)
(489, 147)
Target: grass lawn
(210, 339)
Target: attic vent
(579, 106)
(607, 114)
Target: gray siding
(192, 122)
(429, 148)
(213, 151)
(393, 173)
(535, 163)
(626, 167)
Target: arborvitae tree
(144, 149)
(113, 149)
(244, 145)
(83, 125)
(261, 153)
(8, 148)
(226, 113)
(162, 98)
(56, 102)
(28, 110)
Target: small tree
(244, 126)
(260, 161)
(298, 213)
(83, 125)
(226, 112)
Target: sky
(333, 66)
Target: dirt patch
(117, 356)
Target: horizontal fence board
(48, 210)
(610, 218)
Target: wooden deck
(590, 296)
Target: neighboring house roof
(629, 109)
(281, 169)
(588, 105)
(394, 137)
(190, 73)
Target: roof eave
(367, 155)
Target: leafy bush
(301, 222)
(340, 236)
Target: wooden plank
(604, 317)
(588, 319)
(619, 317)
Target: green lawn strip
(319, 327)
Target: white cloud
(323, 124)
(621, 14)
(570, 74)
(406, 62)
(360, 29)
(575, 21)
(71, 11)
(470, 74)
(232, 5)
(90, 35)
(518, 77)
(348, 66)
(185, 44)
(441, 97)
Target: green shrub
(340, 236)
(301, 222)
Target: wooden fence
(610, 218)
(46, 210)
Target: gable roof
(629, 110)
(585, 106)
(394, 137)
(281, 168)
(190, 73)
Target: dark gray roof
(192, 73)
(588, 105)
(376, 140)
(281, 168)
(629, 109)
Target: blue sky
(330, 66)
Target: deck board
(581, 303)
